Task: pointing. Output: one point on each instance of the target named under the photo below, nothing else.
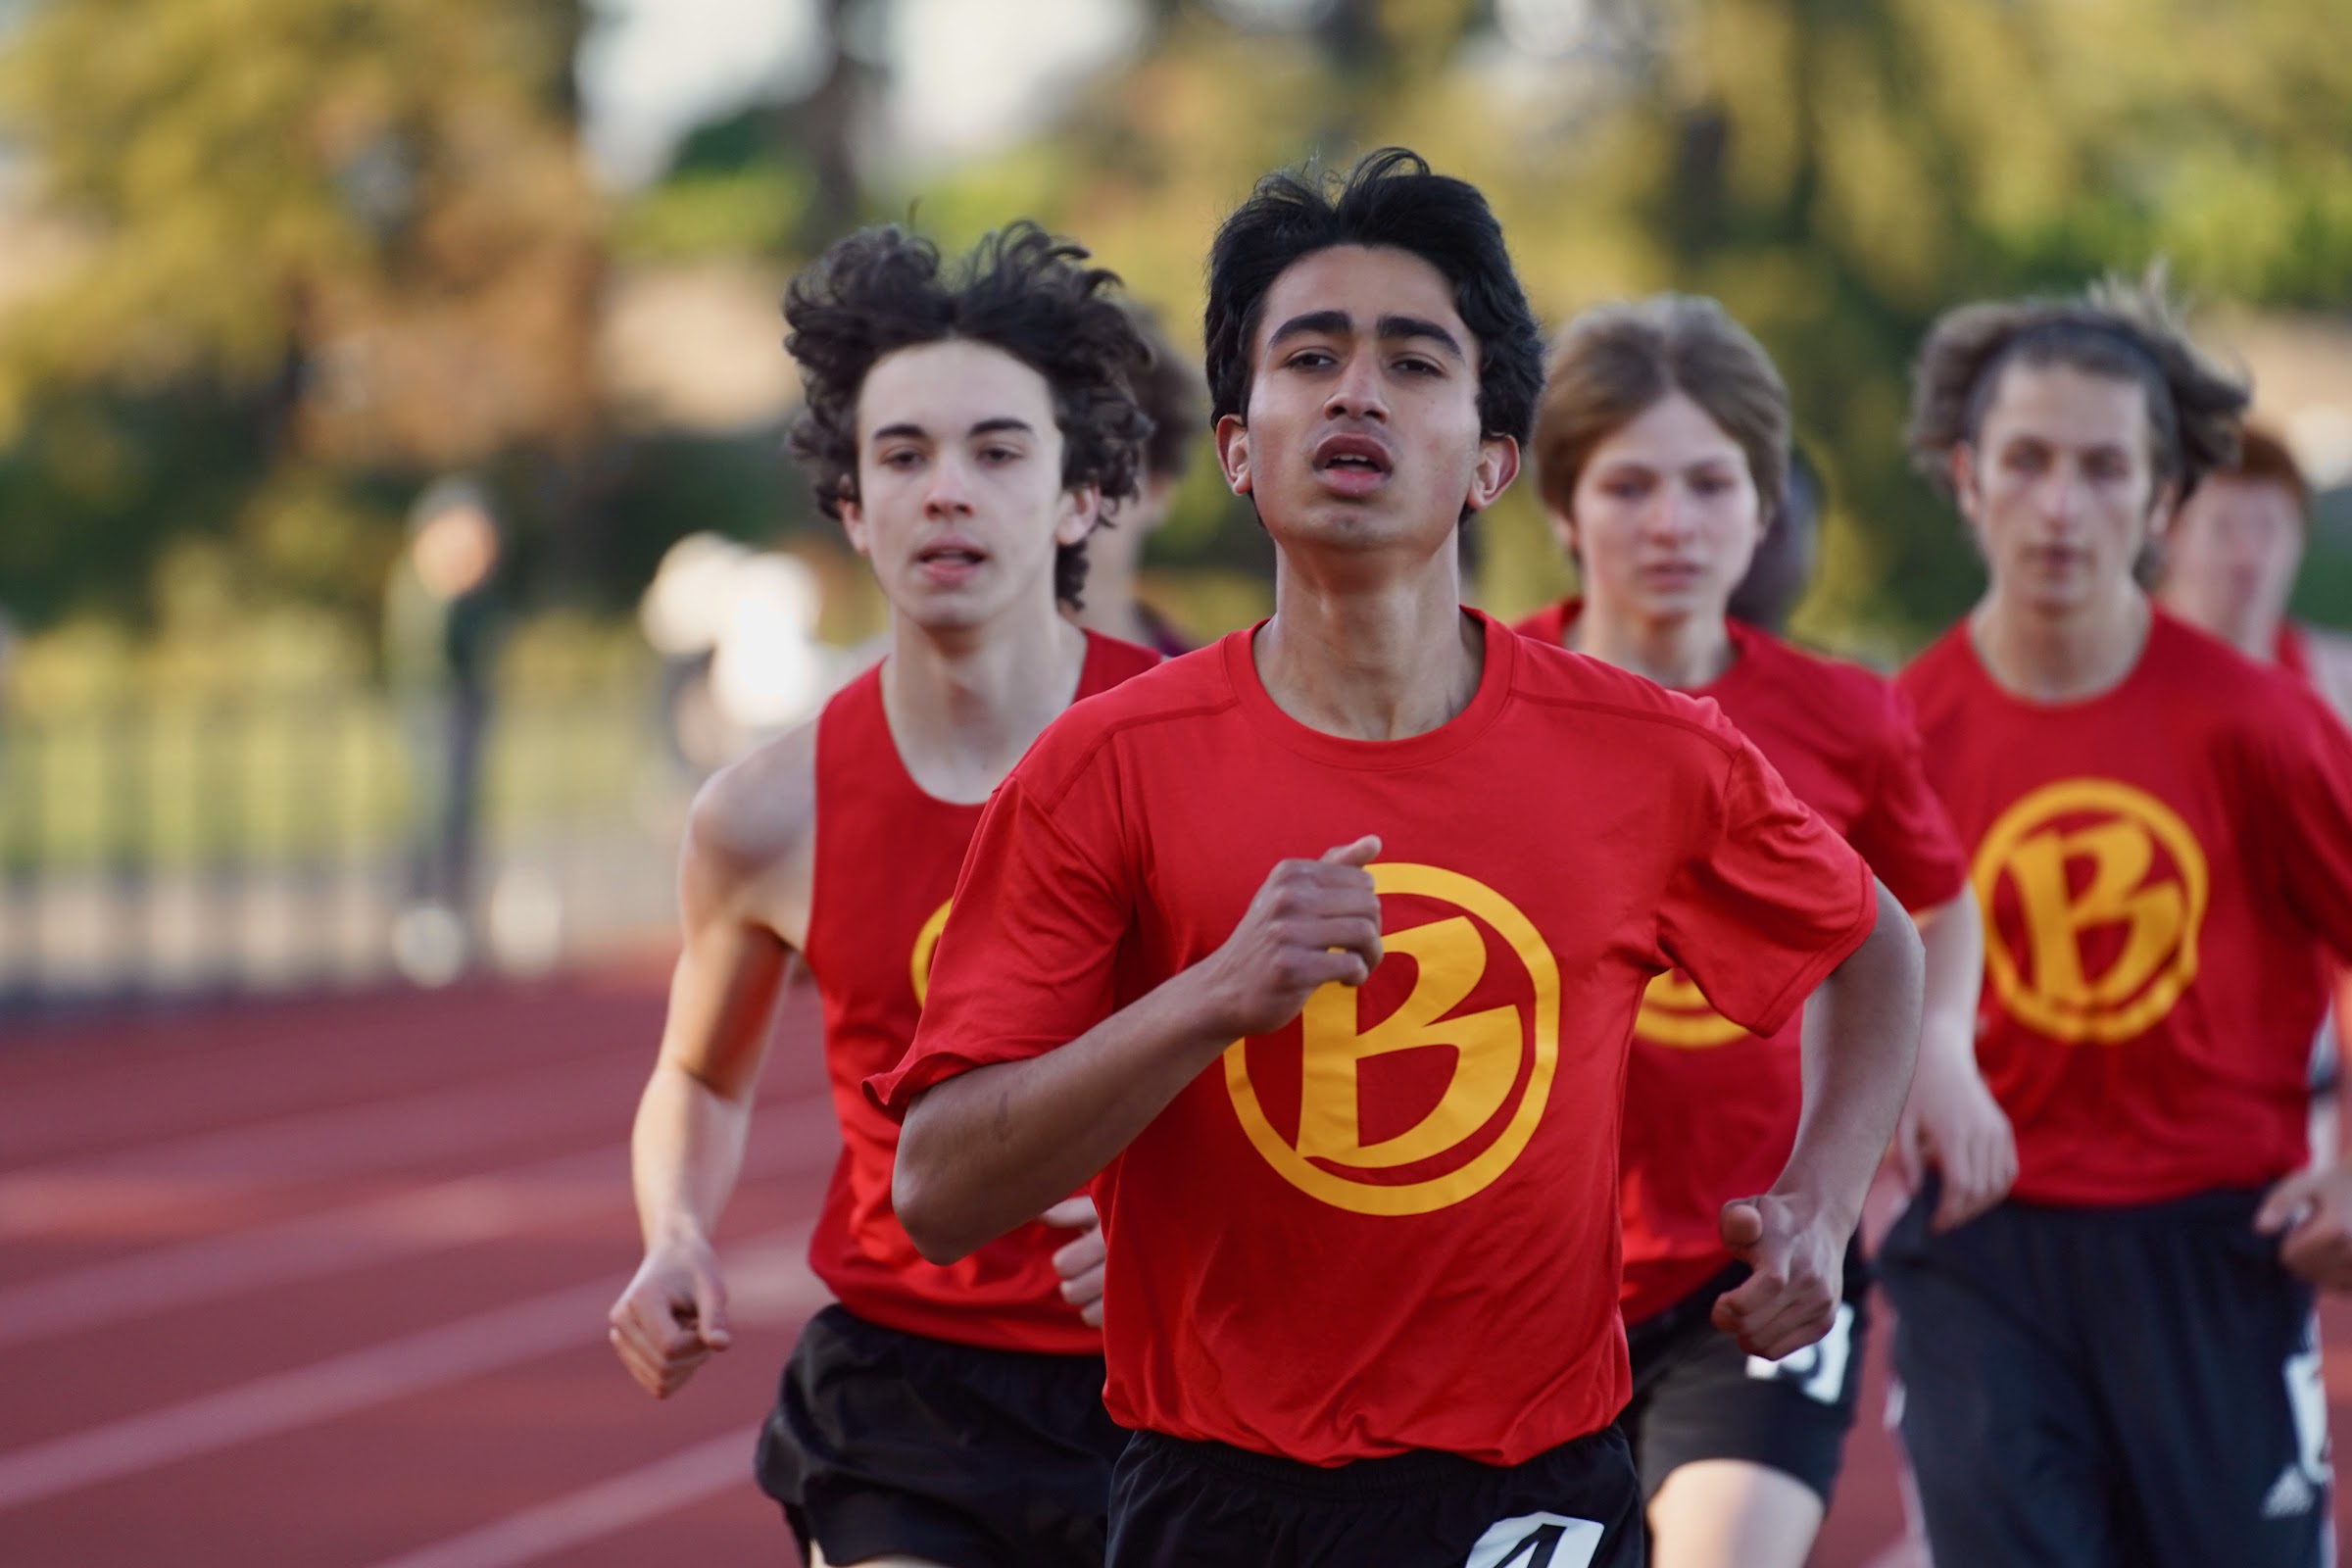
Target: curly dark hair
(2119, 328)
(1389, 199)
(1021, 291)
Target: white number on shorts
(1817, 1370)
(1537, 1541)
(2307, 1398)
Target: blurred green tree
(323, 248)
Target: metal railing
(151, 850)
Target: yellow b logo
(926, 942)
(2106, 887)
(1676, 1012)
(1496, 1051)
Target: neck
(964, 704)
(1682, 652)
(1370, 659)
(2249, 627)
(2064, 656)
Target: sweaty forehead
(1364, 283)
(943, 389)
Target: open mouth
(951, 555)
(1351, 454)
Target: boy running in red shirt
(2117, 1366)
(1321, 947)
(965, 431)
(1661, 444)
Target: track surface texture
(322, 1284)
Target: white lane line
(48, 1200)
(786, 1135)
(685, 1478)
(769, 1281)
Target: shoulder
(759, 811)
(2210, 689)
(1605, 698)
(1157, 696)
(1843, 692)
(1938, 667)
(2195, 665)
(1111, 661)
(1546, 625)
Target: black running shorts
(882, 1442)
(2121, 1387)
(1178, 1504)
(1698, 1395)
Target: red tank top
(886, 858)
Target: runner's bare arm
(742, 886)
(1951, 1121)
(992, 1148)
(1861, 1038)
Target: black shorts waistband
(1418, 1470)
(2229, 1207)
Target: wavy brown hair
(1021, 291)
(1614, 362)
(2119, 328)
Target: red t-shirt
(2158, 868)
(1710, 1109)
(1390, 1224)
(887, 855)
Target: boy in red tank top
(1661, 445)
(966, 430)
(2118, 1364)
(1319, 950)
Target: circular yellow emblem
(926, 942)
(1498, 1051)
(1676, 1012)
(2094, 893)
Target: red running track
(322, 1284)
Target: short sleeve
(1904, 832)
(1027, 958)
(1770, 904)
(2305, 758)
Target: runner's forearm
(1953, 942)
(685, 1154)
(1861, 1038)
(990, 1148)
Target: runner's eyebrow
(1000, 424)
(1391, 329)
(1395, 327)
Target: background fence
(169, 850)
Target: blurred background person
(2230, 559)
(1661, 442)
(1175, 400)
(441, 627)
(2228, 565)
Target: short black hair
(1392, 200)
(1021, 291)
